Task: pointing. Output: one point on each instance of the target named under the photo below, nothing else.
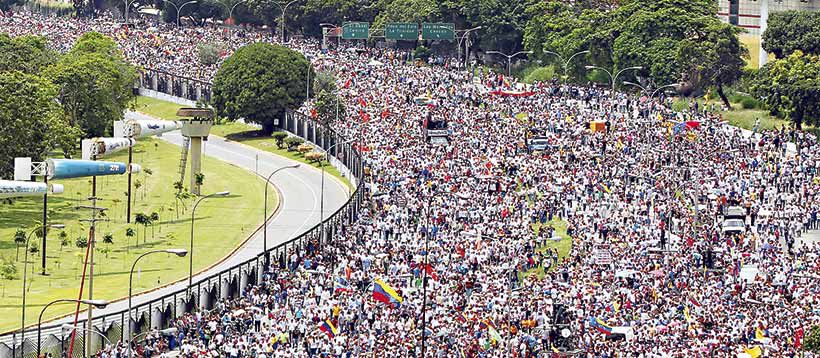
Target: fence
(159, 313)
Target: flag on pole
(328, 327)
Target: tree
(791, 87)
(812, 341)
(143, 220)
(31, 123)
(81, 242)
(672, 40)
(209, 53)
(137, 186)
(108, 238)
(95, 84)
(5, 5)
(789, 31)
(19, 240)
(279, 137)
(260, 82)
(64, 240)
(129, 233)
(328, 106)
(27, 54)
(325, 82)
(154, 218)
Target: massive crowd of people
(607, 242)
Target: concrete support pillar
(196, 162)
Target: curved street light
(615, 77)
(265, 213)
(509, 57)
(230, 12)
(178, 252)
(565, 64)
(25, 277)
(284, 9)
(191, 250)
(179, 8)
(95, 303)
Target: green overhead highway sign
(438, 31)
(355, 30)
(402, 31)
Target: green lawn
(222, 224)
(233, 131)
(564, 246)
(745, 118)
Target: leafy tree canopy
(260, 82)
(788, 31)
(31, 123)
(28, 54)
(791, 87)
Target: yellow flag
(754, 352)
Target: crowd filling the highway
(554, 218)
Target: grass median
(234, 131)
(221, 225)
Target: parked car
(735, 212)
(733, 226)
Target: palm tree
(108, 239)
(143, 220)
(137, 186)
(64, 240)
(19, 240)
(129, 233)
(154, 217)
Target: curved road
(299, 191)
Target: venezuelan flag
(382, 292)
(329, 328)
(603, 188)
(600, 325)
(341, 285)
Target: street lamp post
(284, 9)
(178, 252)
(565, 64)
(265, 213)
(191, 250)
(646, 89)
(127, 6)
(95, 303)
(615, 77)
(424, 269)
(509, 57)
(25, 277)
(179, 8)
(230, 12)
(465, 37)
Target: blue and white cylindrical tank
(71, 168)
(16, 189)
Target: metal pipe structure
(191, 250)
(178, 252)
(509, 57)
(95, 303)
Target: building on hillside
(752, 15)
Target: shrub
(293, 142)
(315, 157)
(422, 52)
(540, 74)
(280, 138)
(749, 103)
(304, 148)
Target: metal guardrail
(160, 313)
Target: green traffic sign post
(438, 31)
(408, 31)
(355, 30)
